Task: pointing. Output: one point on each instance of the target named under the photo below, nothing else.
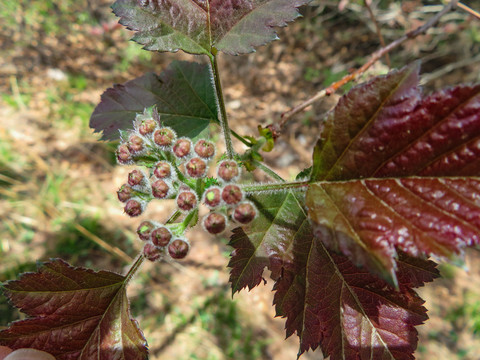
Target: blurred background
(58, 181)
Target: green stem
(267, 170)
(133, 269)
(180, 228)
(174, 217)
(300, 185)
(221, 104)
(241, 138)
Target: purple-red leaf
(395, 171)
(199, 26)
(347, 311)
(74, 314)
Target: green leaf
(281, 220)
(200, 26)
(183, 94)
(74, 313)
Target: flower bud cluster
(177, 169)
(160, 241)
(228, 199)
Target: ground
(58, 181)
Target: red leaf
(76, 313)
(395, 171)
(346, 310)
(333, 304)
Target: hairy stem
(373, 59)
(267, 170)
(134, 268)
(299, 185)
(221, 104)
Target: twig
(379, 31)
(111, 249)
(468, 9)
(221, 104)
(449, 68)
(373, 59)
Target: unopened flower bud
(212, 197)
(178, 249)
(135, 177)
(124, 155)
(135, 143)
(244, 213)
(161, 236)
(182, 148)
(162, 170)
(160, 189)
(196, 167)
(228, 170)
(164, 136)
(145, 229)
(205, 149)
(151, 252)
(215, 223)
(232, 194)
(147, 126)
(186, 200)
(125, 193)
(133, 208)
